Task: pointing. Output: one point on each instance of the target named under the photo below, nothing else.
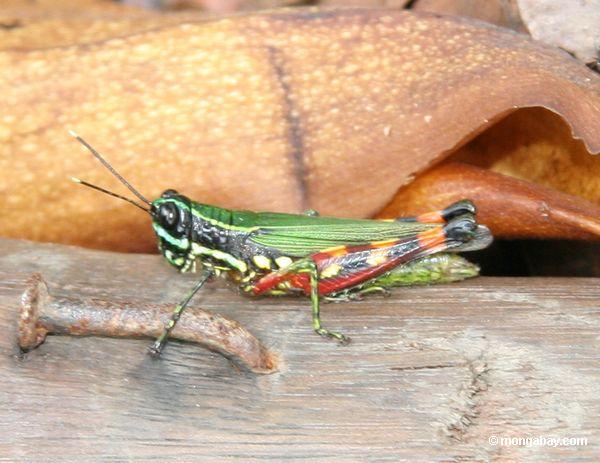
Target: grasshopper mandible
(268, 253)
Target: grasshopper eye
(167, 214)
(169, 194)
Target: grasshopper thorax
(172, 223)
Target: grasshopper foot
(156, 349)
(375, 290)
(359, 295)
(342, 339)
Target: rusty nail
(43, 314)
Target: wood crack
(428, 367)
(467, 411)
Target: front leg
(157, 347)
(227, 261)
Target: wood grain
(431, 375)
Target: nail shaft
(43, 314)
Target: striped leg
(434, 269)
(316, 312)
(305, 276)
(157, 347)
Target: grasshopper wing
(300, 236)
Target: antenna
(135, 203)
(112, 171)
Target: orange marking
(431, 217)
(431, 238)
(384, 244)
(331, 252)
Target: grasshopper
(276, 254)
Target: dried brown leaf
(26, 25)
(333, 110)
(537, 145)
(512, 208)
(365, 3)
(503, 13)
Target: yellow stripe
(220, 255)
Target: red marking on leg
(393, 254)
(269, 282)
(331, 285)
(301, 281)
(384, 256)
(273, 280)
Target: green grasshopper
(268, 253)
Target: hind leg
(337, 271)
(302, 275)
(435, 269)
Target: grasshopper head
(172, 223)
(171, 215)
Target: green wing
(299, 235)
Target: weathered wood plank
(431, 374)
